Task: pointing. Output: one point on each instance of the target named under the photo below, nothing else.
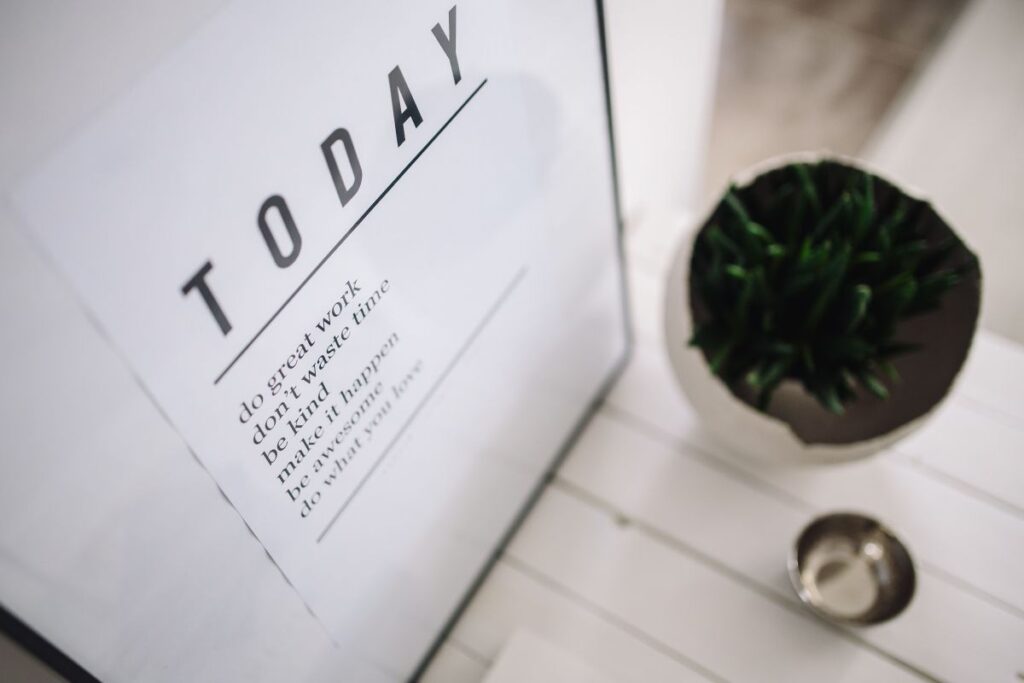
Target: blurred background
(929, 91)
(815, 74)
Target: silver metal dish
(849, 569)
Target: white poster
(353, 251)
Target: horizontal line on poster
(348, 233)
(487, 317)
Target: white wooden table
(655, 557)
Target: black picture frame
(595, 403)
(65, 666)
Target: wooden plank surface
(733, 519)
(660, 557)
(693, 606)
(958, 526)
(654, 550)
(518, 596)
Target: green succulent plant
(805, 274)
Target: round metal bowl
(849, 569)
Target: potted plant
(819, 312)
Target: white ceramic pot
(796, 429)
